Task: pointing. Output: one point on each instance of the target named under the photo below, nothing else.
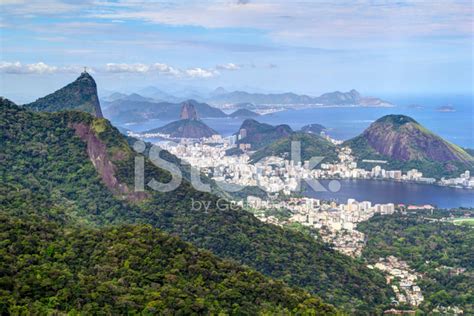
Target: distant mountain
(245, 105)
(260, 98)
(130, 97)
(115, 96)
(243, 113)
(405, 144)
(188, 111)
(187, 127)
(337, 97)
(137, 97)
(158, 95)
(259, 134)
(313, 128)
(79, 95)
(219, 91)
(333, 98)
(311, 146)
(125, 111)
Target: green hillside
(46, 161)
(311, 146)
(51, 269)
(258, 135)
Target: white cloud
(36, 68)
(228, 66)
(164, 69)
(116, 68)
(123, 68)
(201, 73)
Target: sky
(310, 47)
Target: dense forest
(46, 166)
(432, 245)
(47, 268)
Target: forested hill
(80, 95)
(258, 135)
(405, 144)
(79, 168)
(311, 146)
(50, 269)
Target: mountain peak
(85, 76)
(396, 119)
(80, 95)
(261, 134)
(406, 144)
(219, 91)
(188, 111)
(354, 93)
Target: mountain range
(336, 98)
(94, 244)
(125, 111)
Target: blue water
(378, 191)
(344, 123)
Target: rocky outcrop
(97, 152)
(188, 111)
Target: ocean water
(346, 122)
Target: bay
(380, 191)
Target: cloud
(201, 73)
(40, 7)
(37, 68)
(228, 66)
(160, 68)
(309, 20)
(121, 68)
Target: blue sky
(377, 47)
